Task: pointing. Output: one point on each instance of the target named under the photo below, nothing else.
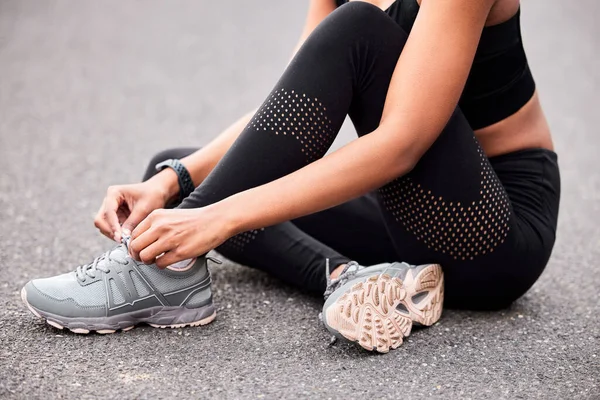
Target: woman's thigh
(453, 209)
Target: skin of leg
(336, 272)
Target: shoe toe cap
(42, 302)
(30, 296)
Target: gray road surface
(90, 90)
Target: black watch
(186, 185)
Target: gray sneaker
(116, 292)
(377, 306)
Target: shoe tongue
(119, 253)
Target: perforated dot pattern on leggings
(240, 241)
(289, 113)
(459, 229)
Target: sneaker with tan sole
(377, 306)
(116, 292)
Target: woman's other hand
(168, 236)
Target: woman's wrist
(229, 215)
(199, 165)
(168, 184)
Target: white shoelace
(348, 273)
(102, 263)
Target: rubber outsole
(380, 312)
(54, 321)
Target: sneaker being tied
(116, 292)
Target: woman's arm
(424, 91)
(203, 161)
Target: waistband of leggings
(525, 154)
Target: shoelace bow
(89, 270)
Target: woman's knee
(164, 155)
(360, 12)
(358, 22)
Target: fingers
(123, 213)
(169, 258)
(140, 243)
(137, 215)
(149, 254)
(143, 236)
(143, 226)
(111, 205)
(107, 218)
(102, 224)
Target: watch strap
(186, 185)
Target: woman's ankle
(337, 271)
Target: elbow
(402, 154)
(401, 165)
(410, 155)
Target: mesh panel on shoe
(116, 293)
(125, 284)
(140, 287)
(167, 282)
(66, 286)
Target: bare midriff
(525, 129)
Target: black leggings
(490, 223)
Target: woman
(453, 167)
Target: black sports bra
(500, 82)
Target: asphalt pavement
(89, 91)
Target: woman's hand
(168, 236)
(125, 206)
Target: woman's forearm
(201, 163)
(359, 167)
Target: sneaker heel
(427, 299)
